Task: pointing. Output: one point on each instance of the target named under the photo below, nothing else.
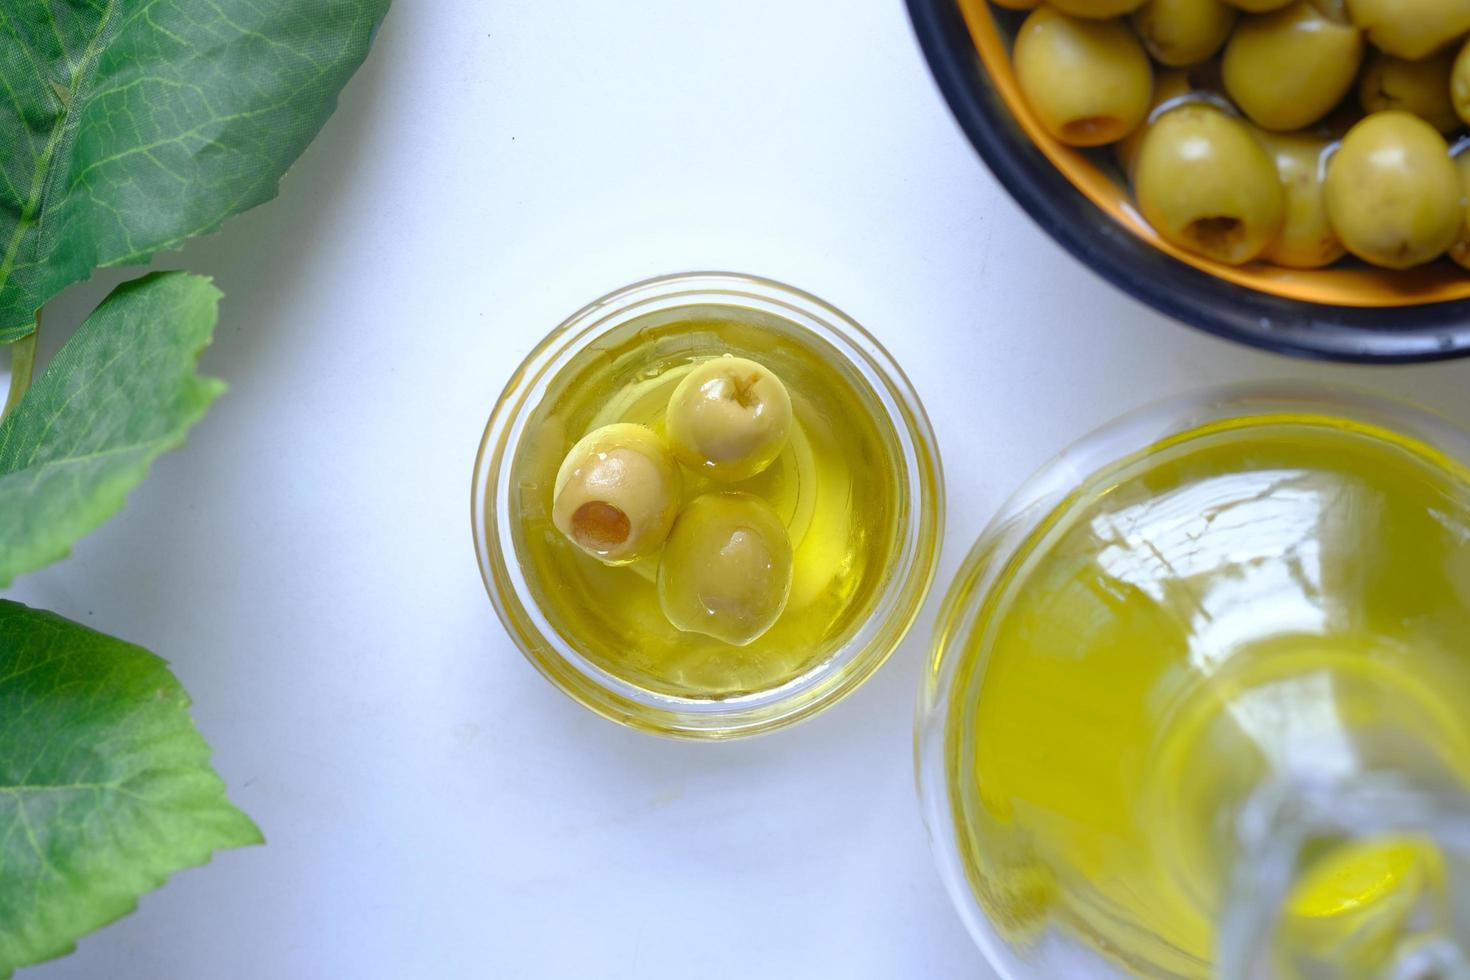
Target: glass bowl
(576, 661)
(1348, 312)
(1191, 585)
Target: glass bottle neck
(1315, 809)
(1360, 877)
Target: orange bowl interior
(1349, 284)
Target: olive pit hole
(744, 391)
(599, 525)
(1218, 234)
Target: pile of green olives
(1288, 131)
(725, 561)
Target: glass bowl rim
(896, 606)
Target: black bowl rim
(1363, 335)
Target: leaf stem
(22, 367)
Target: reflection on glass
(1271, 614)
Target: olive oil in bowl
(856, 488)
(835, 487)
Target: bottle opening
(1350, 883)
(1366, 908)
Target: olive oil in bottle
(1277, 601)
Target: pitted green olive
(1411, 29)
(1206, 184)
(1393, 193)
(1460, 83)
(1184, 32)
(1096, 9)
(1460, 251)
(1169, 85)
(1421, 87)
(617, 493)
(1088, 81)
(729, 418)
(1306, 239)
(727, 568)
(1287, 69)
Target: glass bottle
(1199, 703)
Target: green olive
(729, 418)
(1411, 29)
(1306, 240)
(1421, 87)
(727, 568)
(1460, 83)
(1259, 6)
(1286, 70)
(1460, 251)
(1206, 184)
(1087, 80)
(1393, 193)
(1184, 32)
(1017, 4)
(617, 493)
(1096, 9)
(1169, 85)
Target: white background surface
(433, 807)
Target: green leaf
(119, 394)
(105, 785)
(129, 126)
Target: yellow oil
(1278, 595)
(838, 487)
